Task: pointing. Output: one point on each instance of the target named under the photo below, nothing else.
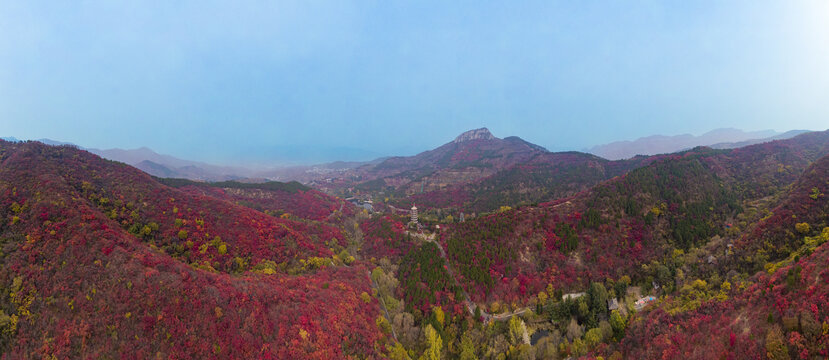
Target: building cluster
(365, 204)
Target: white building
(414, 214)
(572, 296)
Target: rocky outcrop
(477, 134)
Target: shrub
(775, 345)
(802, 228)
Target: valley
(597, 257)
(414, 180)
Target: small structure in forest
(639, 304)
(414, 215)
(613, 304)
(572, 296)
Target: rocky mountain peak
(477, 134)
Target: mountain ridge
(664, 144)
(515, 150)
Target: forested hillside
(101, 261)
(700, 254)
(779, 312)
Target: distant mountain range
(162, 165)
(727, 138)
(473, 155)
(168, 166)
(733, 145)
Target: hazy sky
(219, 81)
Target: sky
(251, 81)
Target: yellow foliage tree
(383, 324)
(439, 315)
(398, 352)
(802, 228)
(542, 298)
(776, 344)
(435, 343)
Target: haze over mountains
(162, 165)
(409, 180)
(726, 138)
(172, 167)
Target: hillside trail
(470, 305)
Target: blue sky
(240, 81)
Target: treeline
(291, 187)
